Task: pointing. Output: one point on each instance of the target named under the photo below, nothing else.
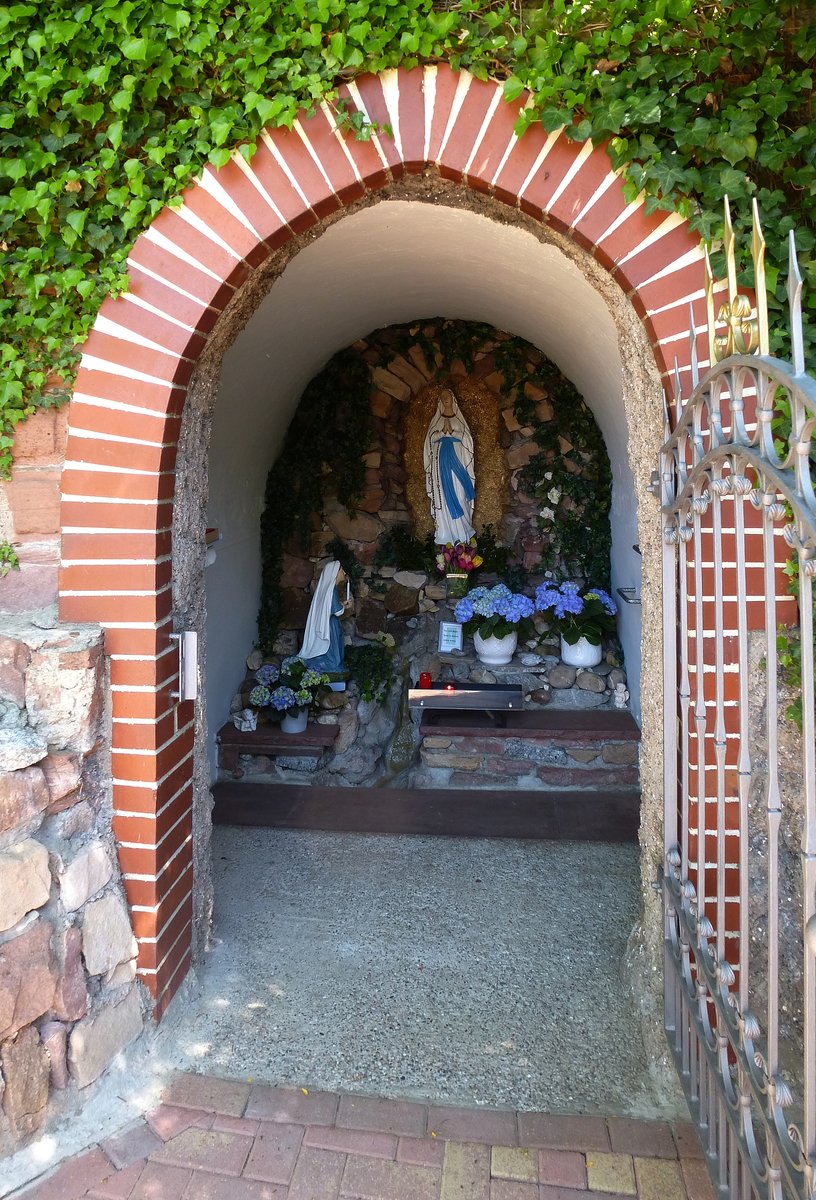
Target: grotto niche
(351, 485)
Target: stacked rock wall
(69, 1000)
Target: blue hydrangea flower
(283, 698)
(267, 673)
(303, 697)
(569, 602)
(260, 696)
(313, 679)
(292, 661)
(546, 596)
(477, 592)
(464, 609)
(500, 589)
(605, 599)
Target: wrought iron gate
(739, 875)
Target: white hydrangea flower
(554, 495)
(547, 514)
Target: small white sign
(450, 636)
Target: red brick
(171, 975)
(277, 184)
(168, 1120)
(462, 140)
(374, 1179)
(207, 1093)
(562, 1168)
(191, 311)
(241, 240)
(507, 1189)
(159, 364)
(195, 243)
(100, 609)
(387, 1116)
(155, 457)
(73, 1178)
(687, 1140)
(211, 293)
(294, 1105)
(274, 1153)
(119, 1184)
(34, 438)
(236, 1125)
(171, 935)
(582, 187)
(697, 1180)
(154, 326)
(161, 398)
(647, 1139)
(563, 1132)
(160, 1182)
(205, 1150)
(411, 108)
(518, 164)
(489, 1126)
(548, 178)
(326, 144)
(211, 1187)
(107, 577)
(371, 93)
(103, 514)
(352, 1141)
(425, 1152)
(446, 83)
(320, 194)
(318, 1173)
(656, 257)
(499, 135)
(137, 1142)
(607, 208)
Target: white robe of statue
(449, 476)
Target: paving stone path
(217, 1139)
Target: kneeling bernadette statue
(323, 648)
(449, 475)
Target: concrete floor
(458, 970)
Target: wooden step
(268, 740)
(606, 816)
(597, 725)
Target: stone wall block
(361, 528)
(28, 977)
(63, 696)
(54, 1036)
(23, 799)
(95, 1041)
(63, 775)
(107, 938)
(71, 994)
(392, 384)
(26, 1068)
(14, 659)
(20, 747)
(25, 881)
(90, 871)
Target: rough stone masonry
(69, 1000)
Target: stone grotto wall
(69, 1000)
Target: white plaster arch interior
(393, 262)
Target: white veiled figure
(322, 647)
(449, 475)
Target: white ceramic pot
(297, 723)
(582, 654)
(493, 651)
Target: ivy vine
(321, 452)
(110, 108)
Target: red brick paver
(216, 1139)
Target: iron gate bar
(723, 453)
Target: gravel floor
(462, 970)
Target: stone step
(610, 815)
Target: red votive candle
(425, 680)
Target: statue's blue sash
(449, 468)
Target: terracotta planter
(581, 654)
(493, 651)
(297, 723)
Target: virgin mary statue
(322, 647)
(449, 476)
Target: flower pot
(581, 654)
(494, 651)
(456, 584)
(296, 723)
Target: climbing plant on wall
(321, 451)
(110, 108)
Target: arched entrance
(119, 479)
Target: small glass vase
(580, 654)
(296, 723)
(495, 651)
(456, 584)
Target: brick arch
(118, 480)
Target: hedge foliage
(110, 108)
